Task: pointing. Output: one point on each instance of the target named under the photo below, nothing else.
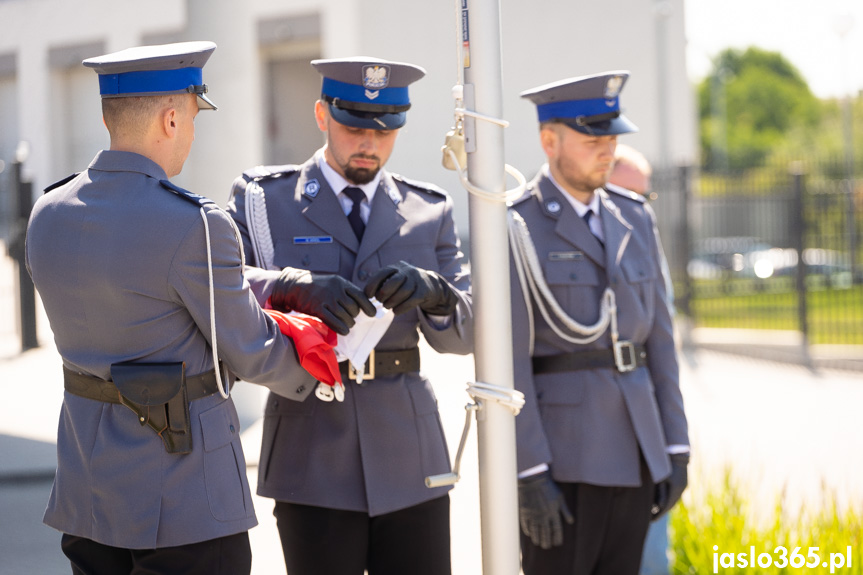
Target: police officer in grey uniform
(328, 235)
(602, 440)
(143, 285)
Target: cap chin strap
(363, 107)
(587, 120)
(200, 89)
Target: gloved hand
(669, 490)
(402, 287)
(540, 506)
(330, 298)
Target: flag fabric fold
(314, 343)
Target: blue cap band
(150, 81)
(576, 108)
(354, 93)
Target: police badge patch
(376, 77)
(311, 188)
(613, 86)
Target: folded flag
(314, 343)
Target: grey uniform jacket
(121, 265)
(590, 424)
(372, 452)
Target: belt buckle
(369, 373)
(624, 356)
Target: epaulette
(259, 173)
(628, 194)
(416, 184)
(62, 182)
(199, 201)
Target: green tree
(825, 145)
(748, 104)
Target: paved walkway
(779, 426)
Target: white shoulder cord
(225, 394)
(533, 283)
(522, 279)
(259, 226)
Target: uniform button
(301, 389)
(276, 404)
(306, 260)
(232, 428)
(573, 276)
(363, 275)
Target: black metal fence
(778, 248)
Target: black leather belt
(92, 387)
(383, 363)
(627, 357)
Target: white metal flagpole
(484, 144)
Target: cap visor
(613, 127)
(204, 103)
(368, 120)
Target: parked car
(739, 256)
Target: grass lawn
(834, 315)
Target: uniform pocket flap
(217, 427)
(315, 257)
(571, 273)
(638, 271)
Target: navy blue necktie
(356, 195)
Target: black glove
(540, 505)
(669, 490)
(330, 298)
(402, 287)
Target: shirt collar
(338, 183)
(579, 207)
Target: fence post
(851, 212)
(798, 233)
(851, 224)
(685, 297)
(23, 197)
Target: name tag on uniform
(566, 256)
(313, 239)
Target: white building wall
(30, 29)
(74, 115)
